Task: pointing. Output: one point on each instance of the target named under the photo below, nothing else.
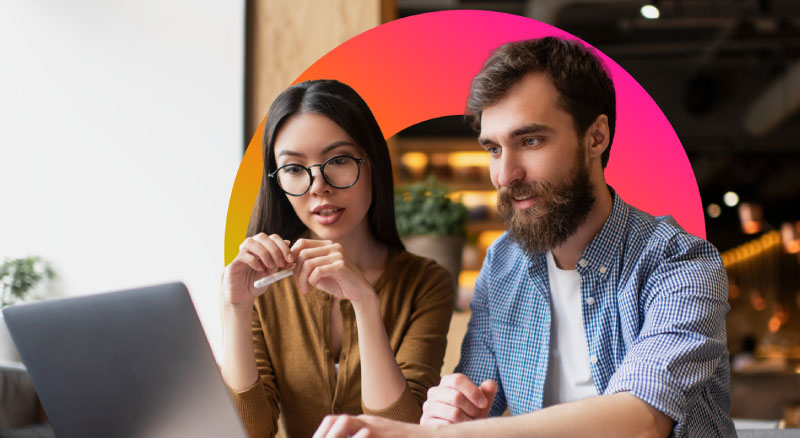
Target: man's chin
(527, 244)
(526, 232)
(529, 216)
(537, 234)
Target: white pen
(269, 279)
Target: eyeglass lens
(340, 172)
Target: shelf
(436, 145)
(485, 225)
(457, 162)
(459, 185)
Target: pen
(269, 279)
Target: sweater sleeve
(258, 405)
(420, 354)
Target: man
(590, 317)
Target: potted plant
(18, 281)
(431, 223)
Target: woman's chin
(329, 232)
(336, 231)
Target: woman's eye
(339, 161)
(292, 169)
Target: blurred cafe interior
(726, 74)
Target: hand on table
(457, 399)
(365, 426)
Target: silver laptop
(134, 363)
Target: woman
(361, 325)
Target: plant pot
(8, 351)
(445, 250)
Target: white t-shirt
(569, 375)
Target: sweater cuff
(406, 408)
(252, 404)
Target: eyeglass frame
(359, 162)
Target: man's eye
(493, 150)
(531, 141)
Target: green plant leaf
(425, 208)
(19, 276)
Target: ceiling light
(713, 210)
(650, 12)
(731, 199)
(751, 217)
(790, 235)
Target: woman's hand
(323, 264)
(259, 256)
(343, 426)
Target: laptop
(133, 363)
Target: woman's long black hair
(272, 213)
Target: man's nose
(510, 170)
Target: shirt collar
(600, 253)
(602, 250)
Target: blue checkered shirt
(654, 300)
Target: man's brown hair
(583, 84)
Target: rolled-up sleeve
(682, 338)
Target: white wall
(120, 137)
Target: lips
(326, 209)
(520, 196)
(327, 214)
(524, 203)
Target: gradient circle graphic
(418, 68)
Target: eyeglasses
(340, 172)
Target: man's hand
(457, 399)
(364, 426)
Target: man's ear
(597, 137)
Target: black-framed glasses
(340, 172)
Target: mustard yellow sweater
(291, 336)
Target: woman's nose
(318, 184)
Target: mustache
(543, 190)
(520, 190)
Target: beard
(558, 212)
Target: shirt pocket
(521, 356)
(514, 309)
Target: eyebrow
(327, 149)
(532, 128)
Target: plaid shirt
(654, 303)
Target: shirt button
(603, 269)
(583, 263)
(593, 359)
(590, 301)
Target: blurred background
(726, 73)
(122, 125)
